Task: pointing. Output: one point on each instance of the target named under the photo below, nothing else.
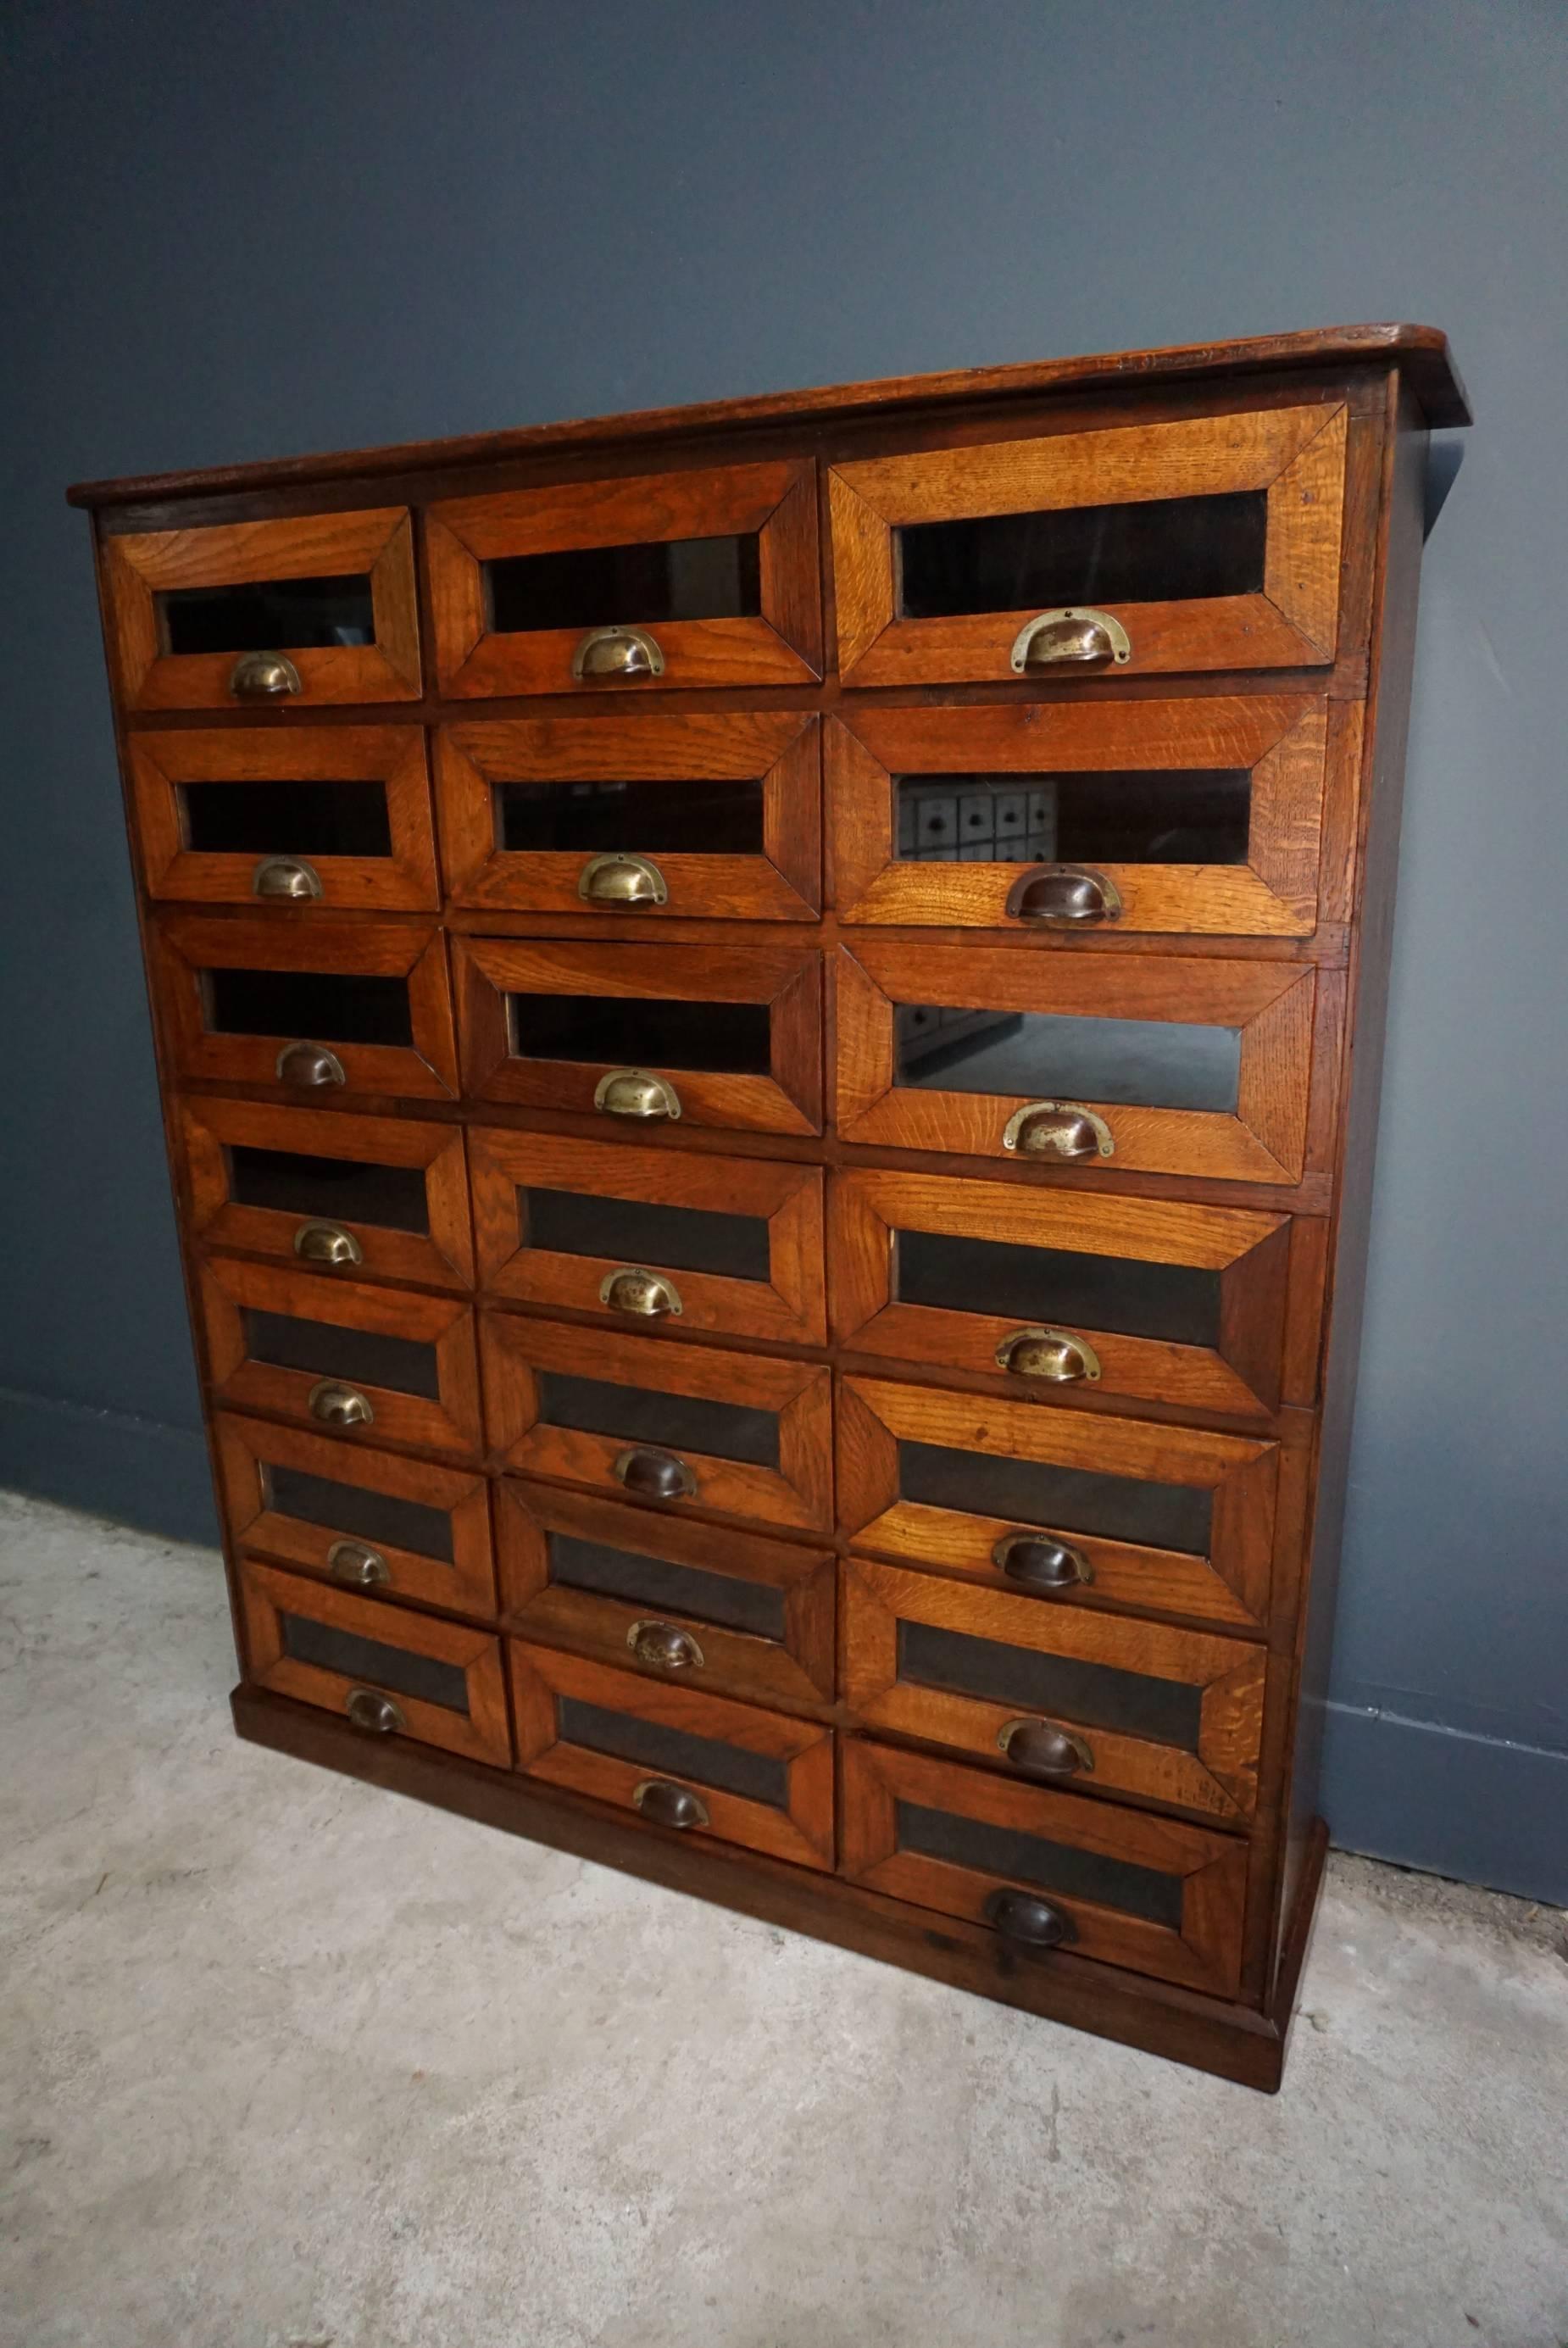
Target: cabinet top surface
(1421, 352)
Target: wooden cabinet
(773, 1147)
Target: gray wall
(240, 231)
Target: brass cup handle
(360, 1568)
(368, 1708)
(652, 1475)
(610, 654)
(622, 881)
(264, 676)
(633, 1092)
(1040, 1749)
(1037, 1562)
(647, 1294)
(1063, 897)
(665, 1646)
(326, 1243)
(1069, 637)
(669, 1805)
(310, 1067)
(1051, 1355)
(1060, 1130)
(336, 1405)
(1029, 1922)
(292, 876)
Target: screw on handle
(669, 1805)
(1041, 1749)
(264, 676)
(617, 655)
(1051, 1355)
(1059, 1129)
(361, 1568)
(310, 1067)
(336, 1405)
(368, 1708)
(665, 1646)
(1031, 1923)
(293, 877)
(326, 1243)
(624, 881)
(652, 1475)
(647, 1294)
(1069, 637)
(1063, 897)
(1038, 1563)
(633, 1092)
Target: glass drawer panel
(728, 1603)
(369, 1516)
(329, 1350)
(335, 1006)
(1097, 1695)
(341, 1189)
(976, 1843)
(257, 614)
(1189, 816)
(642, 1231)
(1136, 1063)
(674, 1752)
(1071, 1500)
(593, 586)
(1177, 1301)
(1164, 549)
(296, 818)
(665, 816)
(675, 1422)
(642, 1031)
(397, 1668)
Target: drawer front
(1073, 1506)
(1156, 1066)
(1042, 1868)
(1096, 1701)
(688, 1428)
(370, 1366)
(393, 1673)
(384, 1196)
(635, 819)
(732, 1245)
(370, 1520)
(681, 1602)
(316, 609)
(686, 1761)
(334, 1006)
(717, 1035)
(1200, 817)
(1210, 542)
(331, 815)
(643, 585)
(1052, 1289)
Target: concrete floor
(285, 2063)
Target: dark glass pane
(362, 1356)
(675, 1422)
(639, 1230)
(269, 615)
(397, 1668)
(328, 1004)
(727, 1600)
(1179, 1302)
(340, 1189)
(1094, 1694)
(1053, 1866)
(1140, 1062)
(674, 1752)
(1166, 817)
(1164, 551)
(611, 586)
(1068, 1499)
(373, 1517)
(702, 819)
(633, 1031)
(292, 819)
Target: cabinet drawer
(1208, 543)
(727, 1244)
(721, 1036)
(686, 1427)
(374, 1365)
(1200, 817)
(1160, 1067)
(1074, 1506)
(684, 1760)
(316, 608)
(367, 1519)
(647, 585)
(360, 1006)
(1097, 1701)
(338, 1194)
(336, 816)
(393, 1673)
(684, 1601)
(1042, 1289)
(713, 817)
(1044, 1869)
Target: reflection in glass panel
(339, 1190)
(1137, 1063)
(1064, 1499)
(1165, 818)
(1018, 1858)
(334, 1006)
(1100, 1696)
(1179, 1302)
(285, 819)
(675, 1422)
(397, 1668)
(269, 615)
(1165, 551)
(327, 1349)
(642, 1230)
(697, 819)
(725, 1600)
(674, 1752)
(369, 1516)
(633, 1031)
(615, 586)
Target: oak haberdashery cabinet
(769, 1019)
